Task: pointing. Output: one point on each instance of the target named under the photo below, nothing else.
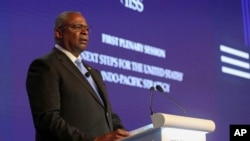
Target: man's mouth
(84, 41)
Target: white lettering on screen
(124, 64)
(134, 46)
(131, 65)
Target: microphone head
(87, 74)
(159, 88)
(152, 88)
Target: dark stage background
(197, 50)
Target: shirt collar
(67, 53)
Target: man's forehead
(76, 18)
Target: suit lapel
(98, 81)
(102, 91)
(69, 65)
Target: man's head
(71, 31)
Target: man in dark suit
(67, 104)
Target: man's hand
(113, 136)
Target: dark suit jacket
(64, 106)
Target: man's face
(74, 34)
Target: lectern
(167, 127)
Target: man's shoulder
(49, 59)
(52, 55)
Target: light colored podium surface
(167, 127)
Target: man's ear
(58, 33)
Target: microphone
(159, 88)
(87, 74)
(152, 89)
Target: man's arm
(43, 91)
